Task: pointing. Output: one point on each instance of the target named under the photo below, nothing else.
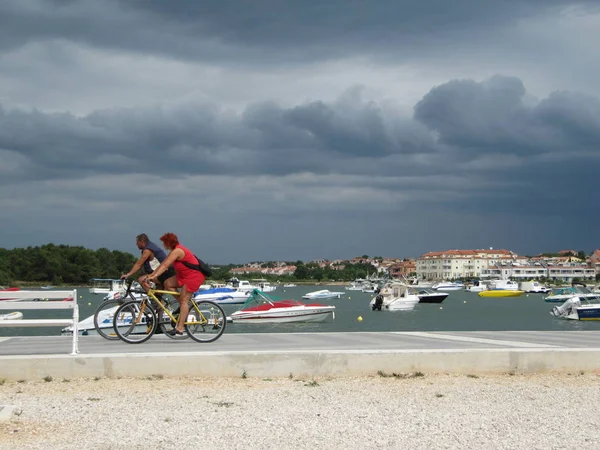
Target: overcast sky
(287, 129)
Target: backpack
(200, 267)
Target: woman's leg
(171, 284)
(184, 307)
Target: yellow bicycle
(136, 321)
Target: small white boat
(323, 294)
(533, 287)
(288, 285)
(106, 285)
(260, 308)
(15, 315)
(562, 294)
(394, 296)
(222, 295)
(477, 286)
(448, 286)
(356, 285)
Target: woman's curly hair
(169, 240)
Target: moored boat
(577, 308)
(448, 286)
(7, 294)
(15, 315)
(262, 308)
(322, 295)
(223, 295)
(394, 296)
(501, 293)
(429, 295)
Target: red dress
(190, 278)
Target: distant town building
(453, 264)
(594, 261)
(403, 269)
(504, 264)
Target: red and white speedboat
(260, 308)
(9, 293)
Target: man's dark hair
(142, 238)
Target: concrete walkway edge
(313, 363)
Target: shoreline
(418, 412)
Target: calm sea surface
(460, 311)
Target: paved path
(307, 354)
(311, 342)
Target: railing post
(75, 324)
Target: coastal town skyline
(300, 129)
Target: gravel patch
(414, 411)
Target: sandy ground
(408, 411)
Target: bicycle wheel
(103, 319)
(135, 322)
(166, 324)
(206, 321)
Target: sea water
(460, 311)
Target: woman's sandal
(174, 332)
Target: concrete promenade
(305, 354)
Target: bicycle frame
(152, 295)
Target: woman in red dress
(189, 280)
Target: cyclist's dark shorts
(166, 275)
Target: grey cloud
(472, 149)
(265, 138)
(269, 31)
(492, 117)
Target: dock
(306, 354)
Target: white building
(452, 264)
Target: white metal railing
(44, 302)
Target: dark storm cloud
(471, 144)
(265, 138)
(492, 117)
(274, 30)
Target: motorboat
(448, 286)
(323, 294)
(15, 315)
(8, 294)
(562, 294)
(263, 285)
(356, 285)
(577, 308)
(369, 288)
(418, 283)
(506, 285)
(428, 295)
(289, 285)
(223, 295)
(262, 308)
(534, 287)
(501, 293)
(106, 285)
(477, 286)
(394, 296)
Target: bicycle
(105, 314)
(136, 322)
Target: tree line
(61, 264)
(76, 265)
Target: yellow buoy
(359, 318)
(90, 304)
(464, 301)
(441, 307)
